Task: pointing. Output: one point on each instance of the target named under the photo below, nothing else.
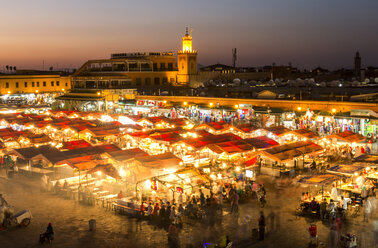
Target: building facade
(33, 82)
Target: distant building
(128, 70)
(224, 69)
(30, 81)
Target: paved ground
(70, 221)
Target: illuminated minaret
(186, 60)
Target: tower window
(147, 81)
(52, 83)
(37, 84)
(16, 84)
(57, 83)
(44, 84)
(6, 85)
(33, 84)
(156, 81)
(170, 66)
(162, 66)
(66, 84)
(26, 84)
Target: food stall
(355, 178)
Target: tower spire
(186, 31)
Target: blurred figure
(120, 195)
(261, 221)
(367, 210)
(48, 235)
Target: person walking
(261, 221)
(202, 198)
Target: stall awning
(305, 133)
(261, 142)
(348, 136)
(230, 147)
(346, 169)
(75, 144)
(320, 180)
(124, 155)
(367, 158)
(288, 152)
(30, 152)
(278, 131)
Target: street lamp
(299, 108)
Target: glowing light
(164, 101)
(356, 174)
(224, 165)
(185, 103)
(171, 176)
(9, 92)
(236, 106)
(237, 168)
(367, 168)
(187, 180)
(122, 172)
(36, 91)
(181, 163)
(196, 164)
(212, 176)
(220, 176)
(98, 93)
(211, 104)
(299, 108)
(63, 89)
(99, 173)
(333, 110)
(148, 184)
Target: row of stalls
(152, 157)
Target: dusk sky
(307, 33)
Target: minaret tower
(357, 65)
(186, 60)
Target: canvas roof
(30, 152)
(367, 158)
(245, 128)
(123, 155)
(230, 147)
(305, 133)
(290, 151)
(216, 126)
(261, 142)
(346, 169)
(161, 161)
(200, 142)
(348, 136)
(278, 130)
(75, 144)
(56, 157)
(320, 179)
